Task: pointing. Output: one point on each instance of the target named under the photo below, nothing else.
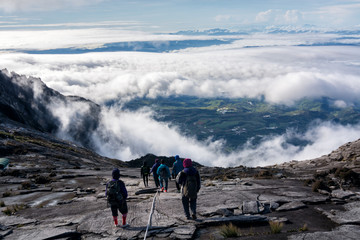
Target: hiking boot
(194, 216)
(162, 189)
(165, 191)
(188, 217)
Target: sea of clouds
(274, 67)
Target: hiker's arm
(180, 178)
(198, 179)
(124, 191)
(157, 171)
(168, 172)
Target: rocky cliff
(28, 101)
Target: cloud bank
(279, 74)
(128, 135)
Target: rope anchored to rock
(151, 213)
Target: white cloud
(266, 16)
(42, 5)
(280, 74)
(292, 16)
(325, 137)
(128, 135)
(276, 16)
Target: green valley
(240, 120)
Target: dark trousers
(156, 179)
(162, 181)
(121, 207)
(146, 180)
(186, 202)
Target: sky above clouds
(281, 67)
(173, 15)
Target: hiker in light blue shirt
(164, 175)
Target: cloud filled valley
(279, 74)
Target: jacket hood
(116, 174)
(187, 162)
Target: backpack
(145, 170)
(114, 192)
(190, 187)
(163, 173)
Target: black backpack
(190, 187)
(114, 192)
(145, 170)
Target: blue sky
(173, 15)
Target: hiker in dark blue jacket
(189, 179)
(154, 171)
(177, 167)
(145, 172)
(118, 205)
(164, 175)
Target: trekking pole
(151, 213)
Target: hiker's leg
(185, 202)
(123, 210)
(147, 180)
(193, 206)
(124, 218)
(156, 179)
(144, 180)
(166, 183)
(114, 211)
(161, 183)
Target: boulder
(342, 194)
(250, 207)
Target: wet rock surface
(76, 208)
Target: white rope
(151, 213)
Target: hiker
(189, 179)
(177, 167)
(116, 194)
(164, 175)
(145, 171)
(153, 170)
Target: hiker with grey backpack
(116, 195)
(189, 179)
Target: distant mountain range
(212, 37)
